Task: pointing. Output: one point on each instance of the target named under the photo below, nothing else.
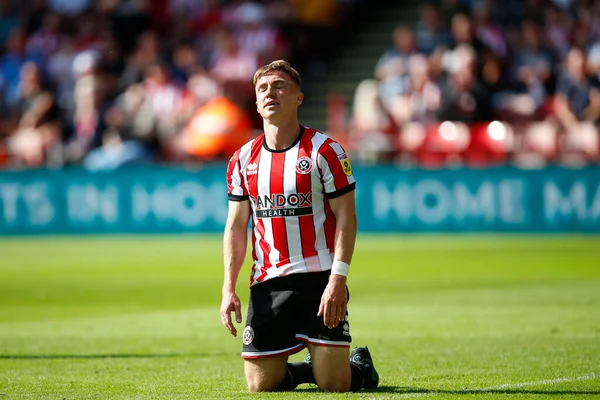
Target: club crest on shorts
(304, 165)
(248, 335)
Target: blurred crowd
(103, 83)
(532, 64)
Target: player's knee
(333, 384)
(254, 387)
(258, 383)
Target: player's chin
(272, 117)
(269, 112)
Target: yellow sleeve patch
(346, 166)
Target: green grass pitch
(446, 317)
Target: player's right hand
(230, 303)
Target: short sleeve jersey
(293, 226)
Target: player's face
(277, 97)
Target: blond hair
(279, 65)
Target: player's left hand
(334, 301)
(230, 303)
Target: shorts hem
(251, 355)
(321, 342)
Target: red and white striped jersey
(293, 227)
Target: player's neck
(280, 137)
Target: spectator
(233, 67)
(47, 39)
(487, 32)
(529, 77)
(392, 67)
(87, 124)
(464, 97)
(69, 7)
(162, 102)
(8, 20)
(255, 34)
(557, 28)
(60, 66)
(118, 147)
(577, 96)
(422, 98)
(39, 128)
(184, 62)
(87, 32)
(371, 128)
(230, 61)
(430, 31)
(463, 31)
(146, 53)
(533, 63)
(593, 60)
(11, 63)
(394, 62)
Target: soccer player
(297, 186)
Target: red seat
(490, 144)
(443, 145)
(535, 144)
(4, 156)
(579, 145)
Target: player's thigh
(265, 374)
(331, 367)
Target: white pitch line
(546, 382)
(433, 392)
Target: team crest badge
(346, 166)
(248, 335)
(304, 165)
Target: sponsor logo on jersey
(248, 335)
(280, 205)
(346, 166)
(304, 165)
(252, 169)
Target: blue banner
(500, 200)
(157, 199)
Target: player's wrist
(228, 289)
(340, 268)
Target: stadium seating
(579, 145)
(488, 144)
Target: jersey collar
(266, 147)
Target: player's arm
(334, 300)
(344, 209)
(234, 252)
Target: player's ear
(300, 98)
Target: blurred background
(119, 115)
(472, 125)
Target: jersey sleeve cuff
(342, 191)
(235, 197)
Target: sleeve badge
(346, 166)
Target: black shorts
(282, 317)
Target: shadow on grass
(418, 392)
(98, 356)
